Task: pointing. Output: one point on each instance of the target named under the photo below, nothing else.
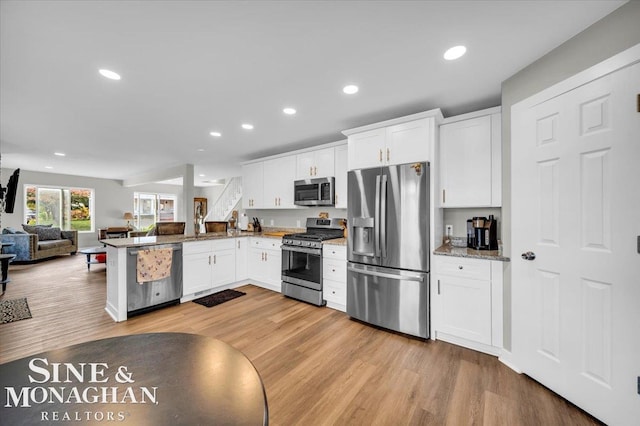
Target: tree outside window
(66, 208)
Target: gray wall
(111, 199)
(613, 34)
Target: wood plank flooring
(318, 366)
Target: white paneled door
(576, 220)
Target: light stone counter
(448, 250)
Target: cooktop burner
(318, 230)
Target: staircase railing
(228, 199)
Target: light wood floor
(318, 366)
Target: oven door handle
(317, 252)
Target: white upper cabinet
(313, 164)
(399, 141)
(252, 185)
(366, 149)
(279, 174)
(340, 195)
(408, 142)
(470, 160)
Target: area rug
(14, 310)
(218, 298)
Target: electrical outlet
(448, 230)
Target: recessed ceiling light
(289, 111)
(247, 126)
(109, 74)
(59, 154)
(215, 134)
(201, 175)
(200, 150)
(48, 167)
(350, 89)
(214, 181)
(454, 53)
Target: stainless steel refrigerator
(388, 247)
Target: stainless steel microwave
(314, 192)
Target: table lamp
(128, 216)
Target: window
(149, 208)
(66, 208)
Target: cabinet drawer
(478, 269)
(335, 270)
(224, 244)
(330, 251)
(266, 243)
(335, 292)
(194, 247)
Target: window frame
(61, 224)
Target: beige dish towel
(154, 264)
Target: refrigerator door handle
(383, 217)
(376, 223)
(357, 270)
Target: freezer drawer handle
(386, 275)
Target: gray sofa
(42, 243)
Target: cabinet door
(304, 165)
(224, 267)
(196, 273)
(273, 267)
(255, 259)
(341, 177)
(279, 175)
(408, 142)
(366, 149)
(242, 272)
(466, 163)
(324, 162)
(464, 308)
(252, 185)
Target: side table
(93, 251)
(5, 259)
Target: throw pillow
(46, 234)
(32, 229)
(9, 230)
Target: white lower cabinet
(334, 276)
(196, 267)
(265, 262)
(467, 302)
(242, 273)
(207, 265)
(223, 262)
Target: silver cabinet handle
(529, 255)
(438, 286)
(460, 267)
(209, 259)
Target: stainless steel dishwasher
(153, 294)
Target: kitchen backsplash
(292, 217)
(458, 218)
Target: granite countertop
(449, 250)
(275, 233)
(336, 242)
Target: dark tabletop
(149, 379)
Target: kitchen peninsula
(200, 264)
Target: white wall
(111, 199)
(614, 33)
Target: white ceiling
(191, 67)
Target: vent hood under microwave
(314, 192)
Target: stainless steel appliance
(153, 294)
(388, 247)
(314, 192)
(302, 259)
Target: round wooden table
(143, 379)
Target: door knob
(529, 255)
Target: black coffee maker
(482, 233)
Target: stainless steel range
(302, 259)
